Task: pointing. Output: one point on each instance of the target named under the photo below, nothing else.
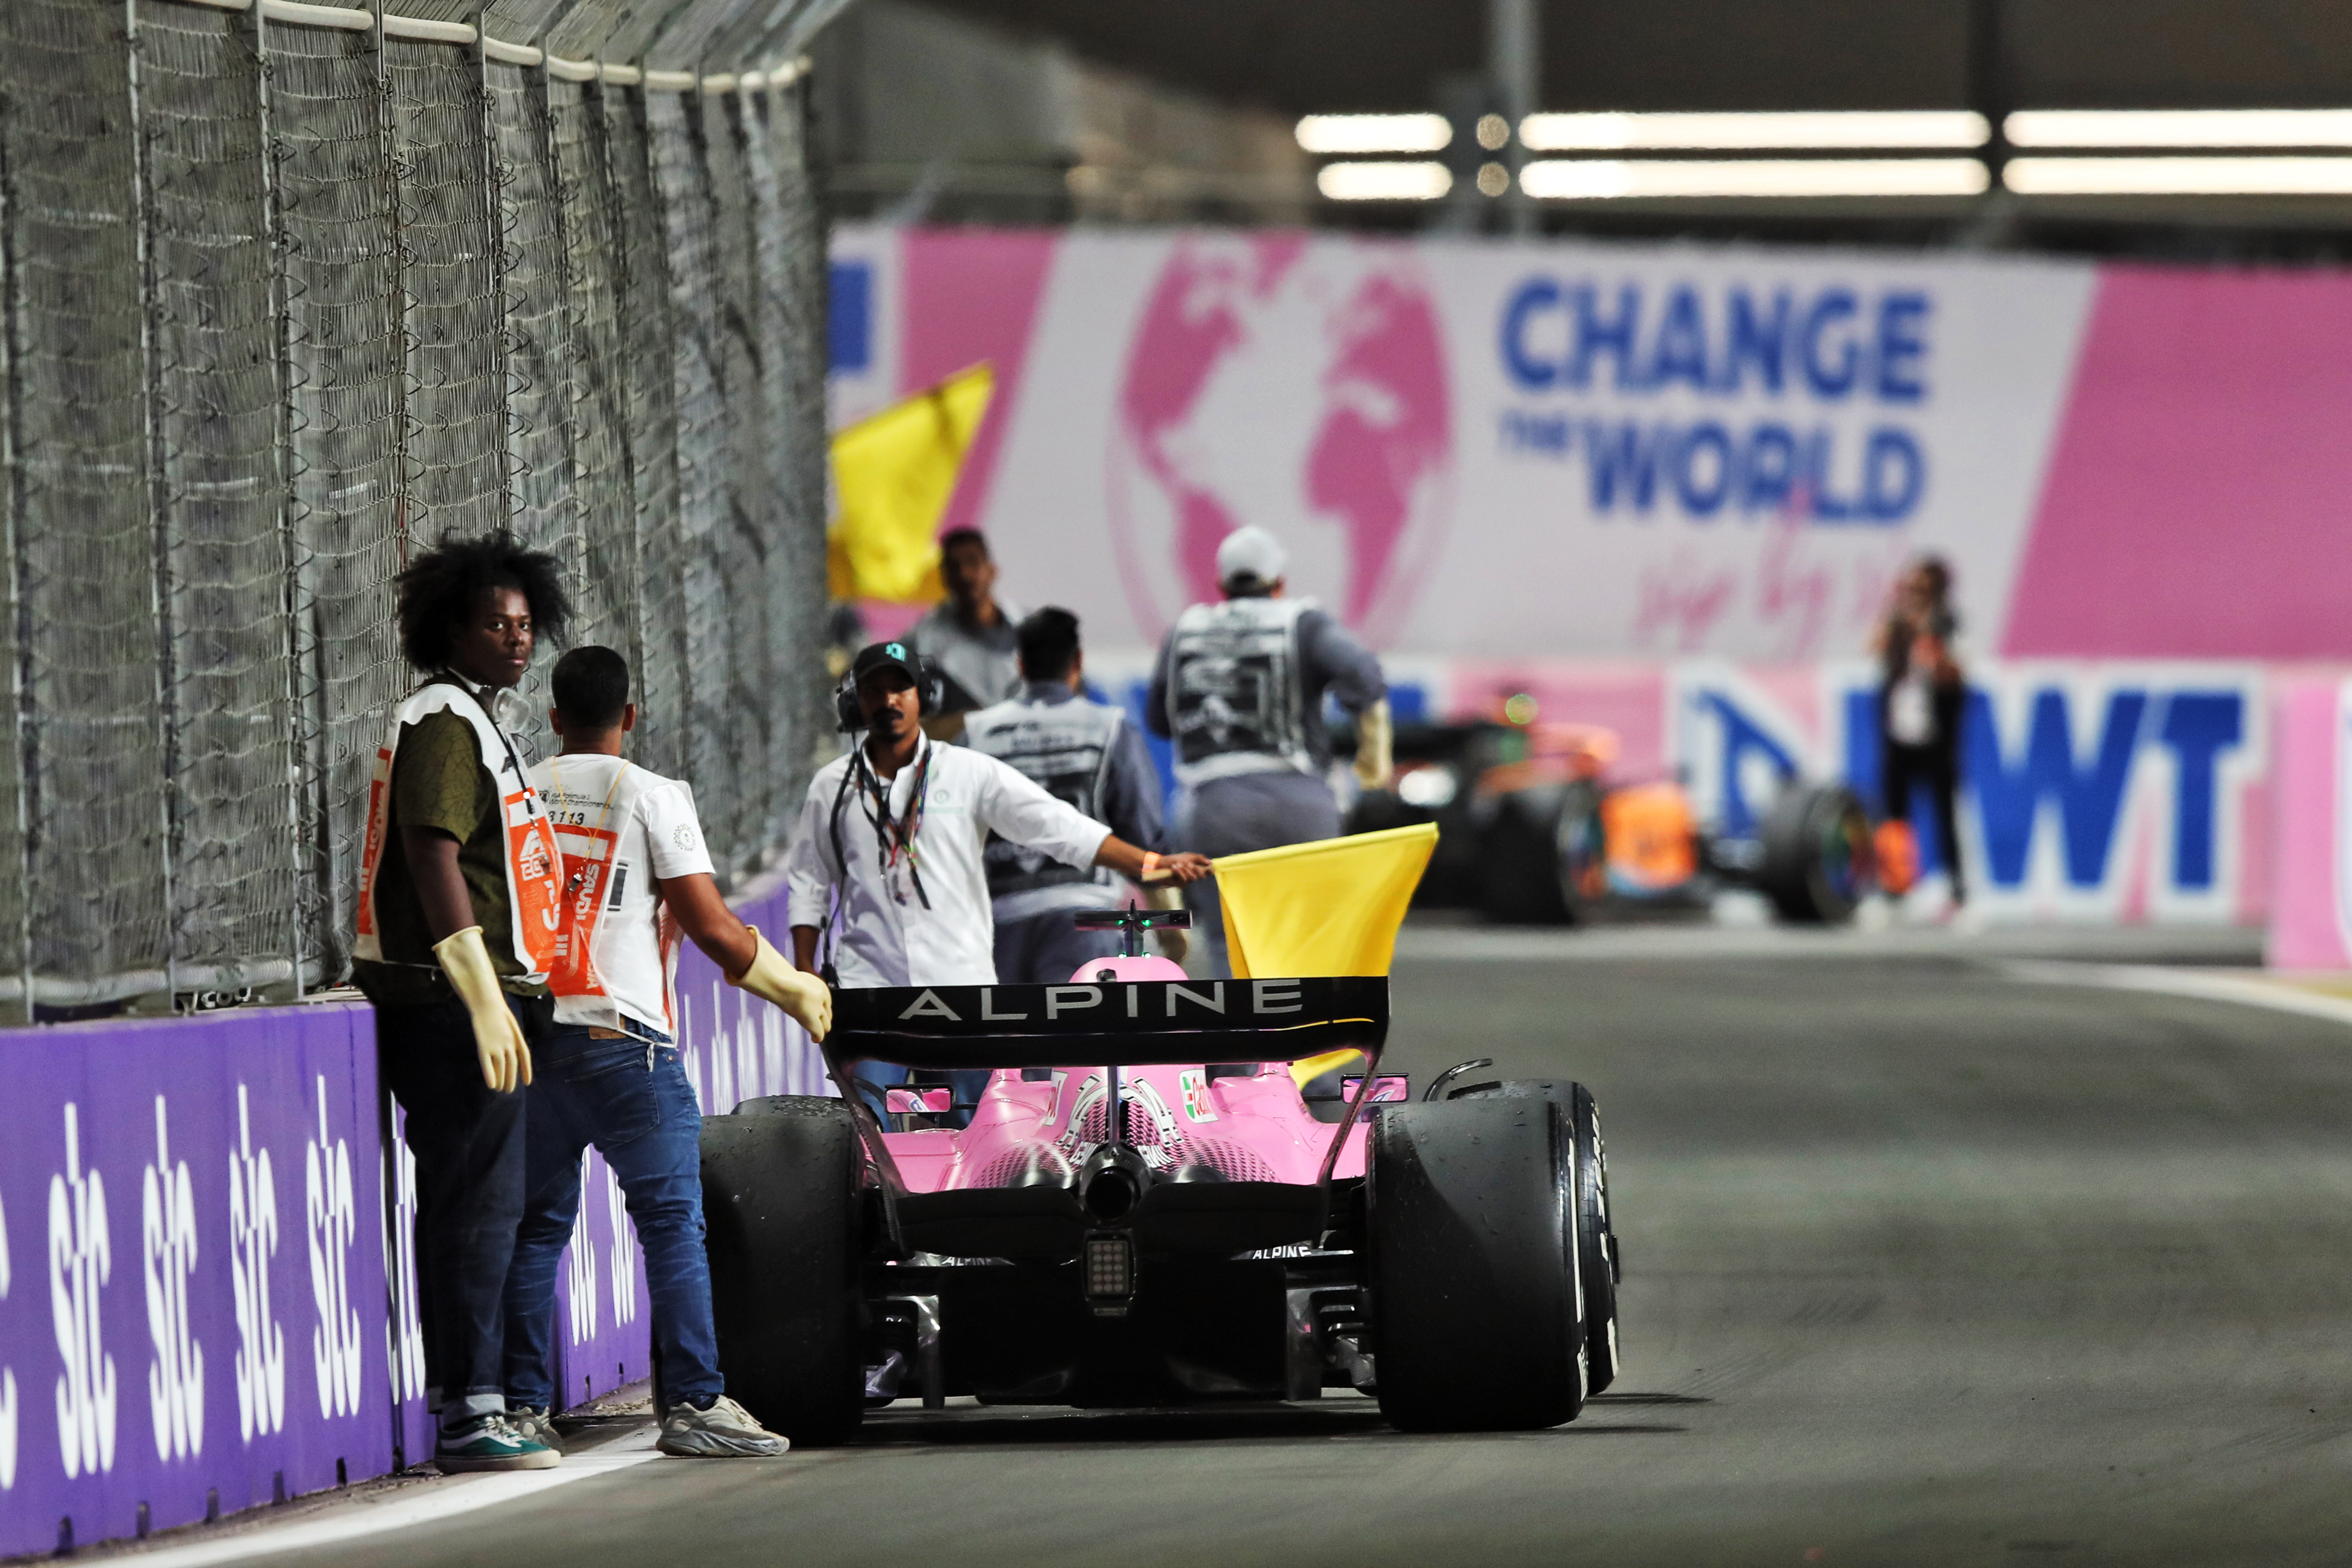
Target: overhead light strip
(1371, 182)
(1599, 179)
(2180, 128)
(1340, 133)
(2180, 176)
(1903, 128)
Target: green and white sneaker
(725, 1431)
(536, 1425)
(487, 1443)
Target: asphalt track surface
(1923, 1264)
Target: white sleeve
(673, 834)
(808, 866)
(1017, 807)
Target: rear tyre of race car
(1817, 862)
(1596, 1241)
(1596, 1249)
(1522, 877)
(1473, 1265)
(780, 1204)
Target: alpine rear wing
(1123, 1023)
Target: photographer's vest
(1065, 747)
(1237, 695)
(528, 844)
(591, 938)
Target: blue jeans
(643, 1119)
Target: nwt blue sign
(2092, 792)
(1724, 400)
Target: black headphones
(930, 695)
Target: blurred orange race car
(1534, 829)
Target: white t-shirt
(660, 837)
(1910, 708)
(884, 935)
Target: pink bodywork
(1254, 1129)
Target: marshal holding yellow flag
(1331, 906)
(893, 473)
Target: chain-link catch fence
(287, 292)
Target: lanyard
(895, 837)
(571, 889)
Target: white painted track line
(361, 1519)
(2203, 984)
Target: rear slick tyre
(781, 1215)
(1596, 1240)
(1475, 1300)
(1818, 865)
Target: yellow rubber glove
(803, 997)
(1375, 757)
(498, 1038)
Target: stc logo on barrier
(580, 1261)
(81, 1261)
(403, 1332)
(1682, 395)
(175, 1377)
(330, 1222)
(624, 1253)
(260, 1365)
(2088, 791)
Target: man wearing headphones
(888, 853)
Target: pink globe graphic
(1299, 387)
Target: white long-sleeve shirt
(884, 935)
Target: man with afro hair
(457, 898)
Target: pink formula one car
(1223, 1236)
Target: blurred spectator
(970, 634)
(1920, 696)
(844, 634)
(1086, 753)
(1239, 688)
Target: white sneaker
(725, 1431)
(536, 1425)
(487, 1443)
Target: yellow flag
(892, 475)
(1331, 906)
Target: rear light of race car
(1110, 1257)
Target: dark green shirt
(438, 780)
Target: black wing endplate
(1129, 1022)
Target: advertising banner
(2121, 793)
(1513, 449)
(2311, 912)
(193, 1306)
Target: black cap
(893, 655)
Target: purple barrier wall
(193, 1309)
(206, 1301)
(737, 1046)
